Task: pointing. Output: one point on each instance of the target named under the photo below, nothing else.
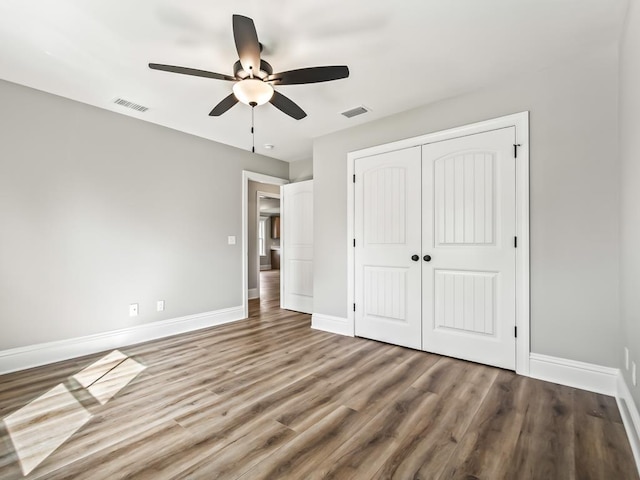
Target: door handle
(427, 258)
(415, 258)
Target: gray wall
(630, 188)
(574, 199)
(301, 170)
(100, 210)
(252, 212)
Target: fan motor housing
(265, 70)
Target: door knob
(415, 258)
(427, 258)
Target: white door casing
(297, 246)
(469, 226)
(387, 235)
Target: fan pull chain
(253, 134)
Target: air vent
(355, 111)
(125, 103)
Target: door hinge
(515, 332)
(354, 178)
(515, 242)
(354, 307)
(354, 242)
(515, 149)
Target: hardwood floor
(269, 398)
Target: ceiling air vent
(128, 104)
(355, 111)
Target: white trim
(44, 353)
(256, 177)
(586, 376)
(630, 416)
(265, 267)
(521, 123)
(328, 323)
(253, 293)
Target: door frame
(521, 123)
(256, 177)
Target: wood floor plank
(486, 448)
(545, 447)
(123, 458)
(232, 462)
(601, 447)
(389, 384)
(362, 455)
(426, 450)
(301, 457)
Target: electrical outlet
(133, 310)
(160, 305)
(231, 239)
(626, 358)
(633, 373)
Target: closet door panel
(468, 284)
(388, 230)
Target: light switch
(231, 239)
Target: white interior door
(297, 246)
(468, 219)
(387, 235)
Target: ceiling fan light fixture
(253, 91)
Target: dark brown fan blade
(309, 75)
(224, 105)
(244, 33)
(287, 106)
(191, 71)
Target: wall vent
(125, 103)
(355, 111)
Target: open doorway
(261, 239)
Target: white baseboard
(630, 416)
(44, 353)
(328, 323)
(586, 376)
(253, 293)
(265, 267)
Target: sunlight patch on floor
(40, 427)
(99, 368)
(115, 380)
(44, 424)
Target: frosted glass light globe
(253, 91)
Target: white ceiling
(401, 55)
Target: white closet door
(469, 212)
(297, 246)
(387, 228)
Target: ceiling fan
(254, 78)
